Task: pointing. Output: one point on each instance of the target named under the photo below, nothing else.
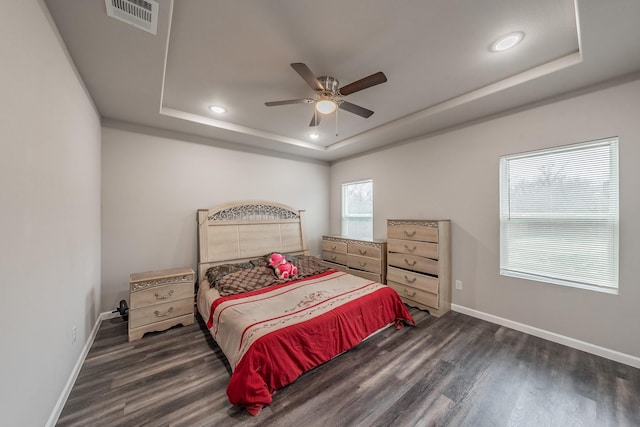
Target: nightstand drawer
(161, 294)
(159, 312)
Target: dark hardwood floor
(452, 371)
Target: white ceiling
(435, 54)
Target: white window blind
(559, 215)
(357, 209)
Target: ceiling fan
(328, 96)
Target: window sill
(535, 278)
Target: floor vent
(141, 14)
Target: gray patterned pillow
(215, 273)
(246, 281)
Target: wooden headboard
(240, 231)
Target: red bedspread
(273, 335)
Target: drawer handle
(410, 250)
(167, 296)
(408, 294)
(157, 313)
(409, 280)
(362, 252)
(362, 264)
(333, 247)
(333, 257)
(413, 233)
(410, 264)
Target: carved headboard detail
(240, 231)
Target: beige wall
(455, 176)
(152, 186)
(50, 210)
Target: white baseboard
(627, 359)
(57, 410)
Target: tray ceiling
(436, 55)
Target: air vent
(141, 14)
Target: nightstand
(159, 300)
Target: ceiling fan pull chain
(337, 121)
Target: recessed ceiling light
(507, 42)
(217, 109)
(314, 135)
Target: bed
(272, 330)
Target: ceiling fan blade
(307, 75)
(364, 83)
(290, 101)
(315, 120)
(356, 109)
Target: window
(357, 209)
(559, 215)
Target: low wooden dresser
(363, 258)
(159, 300)
(419, 263)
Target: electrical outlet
(459, 285)
(74, 335)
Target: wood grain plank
(449, 371)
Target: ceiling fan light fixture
(314, 135)
(217, 109)
(326, 106)
(507, 42)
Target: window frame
(562, 220)
(345, 216)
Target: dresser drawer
(414, 263)
(159, 312)
(366, 275)
(339, 267)
(422, 233)
(419, 296)
(415, 280)
(413, 247)
(331, 246)
(160, 294)
(364, 263)
(364, 250)
(337, 258)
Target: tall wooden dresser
(159, 300)
(363, 258)
(419, 263)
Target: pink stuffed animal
(287, 270)
(283, 268)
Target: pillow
(231, 279)
(309, 265)
(262, 261)
(246, 280)
(217, 272)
